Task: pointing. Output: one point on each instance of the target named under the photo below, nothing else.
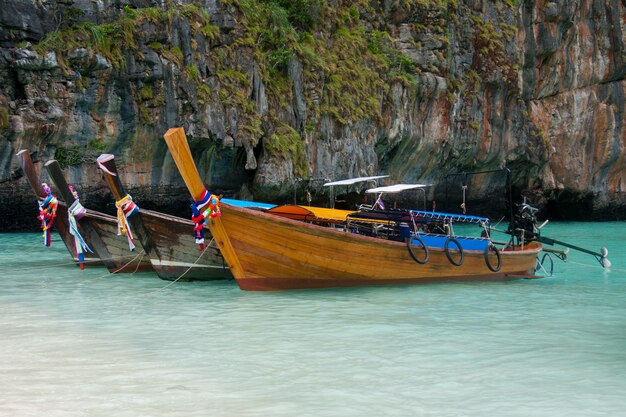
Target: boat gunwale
(535, 247)
(100, 215)
(166, 216)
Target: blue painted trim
(246, 204)
(433, 241)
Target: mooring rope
(184, 273)
(124, 266)
(131, 261)
(143, 253)
(499, 221)
(95, 261)
(596, 266)
(35, 268)
(463, 203)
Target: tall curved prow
(88, 230)
(167, 239)
(179, 148)
(86, 225)
(60, 221)
(106, 162)
(32, 176)
(101, 230)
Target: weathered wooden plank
(100, 230)
(168, 240)
(61, 222)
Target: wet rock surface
(538, 88)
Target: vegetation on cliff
(280, 90)
(348, 55)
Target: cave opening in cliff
(19, 92)
(570, 205)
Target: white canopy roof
(354, 180)
(396, 188)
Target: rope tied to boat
(464, 187)
(126, 208)
(415, 228)
(485, 232)
(47, 212)
(74, 213)
(207, 206)
(187, 270)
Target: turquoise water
(88, 343)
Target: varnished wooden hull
(267, 252)
(175, 253)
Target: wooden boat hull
(267, 252)
(61, 222)
(168, 240)
(100, 231)
(112, 249)
(176, 254)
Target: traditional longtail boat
(61, 221)
(100, 230)
(167, 239)
(270, 252)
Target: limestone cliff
(271, 93)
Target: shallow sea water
(87, 343)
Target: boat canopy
(396, 188)
(308, 213)
(449, 216)
(354, 180)
(407, 216)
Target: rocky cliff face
(271, 93)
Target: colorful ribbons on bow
(208, 206)
(74, 213)
(126, 208)
(47, 212)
